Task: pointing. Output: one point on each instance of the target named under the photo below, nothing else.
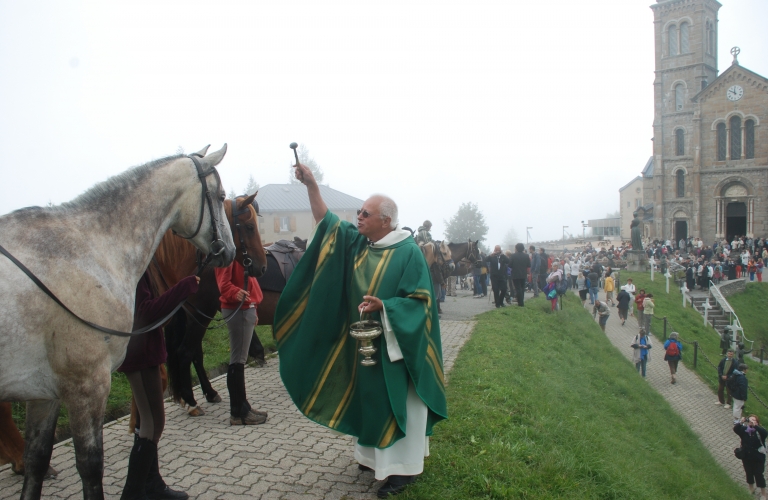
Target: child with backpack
(673, 352)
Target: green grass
(543, 406)
(215, 347)
(749, 308)
(690, 325)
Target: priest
(376, 271)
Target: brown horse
(176, 259)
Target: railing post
(665, 328)
(695, 353)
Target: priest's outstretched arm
(316, 202)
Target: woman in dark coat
(146, 352)
(753, 447)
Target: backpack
(673, 350)
(587, 283)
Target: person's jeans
(574, 277)
(476, 282)
(484, 284)
(535, 284)
(640, 365)
(592, 294)
(647, 322)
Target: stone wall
(729, 288)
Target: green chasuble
(319, 362)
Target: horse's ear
(246, 201)
(214, 158)
(202, 152)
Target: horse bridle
(217, 244)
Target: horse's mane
(170, 256)
(108, 194)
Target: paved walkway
(690, 397)
(288, 457)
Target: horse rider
(423, 236)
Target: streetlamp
(527, 234)
(564, 228)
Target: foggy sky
(538, 112)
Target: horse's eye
(250, 227)
(222, 197)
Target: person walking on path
(622, 304)
(602, 310)
(594, 283)
(497, 266)
(242, 319)
(520, 264)
(639, 298)
(673, 353)
(724, 371)
(739, 389)
(581, 285)
(608, 287)
(642, 351)
(630, 288)
(648, 306)
(575, 272)
(753, 437)
(141, 366)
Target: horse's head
(203, 220)
(243, 217)
(445, 253)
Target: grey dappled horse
(90, 253)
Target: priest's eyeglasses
(365, 213)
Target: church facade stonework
(708, 176)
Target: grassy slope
(543, 406)
(690, 325)
(749, 307)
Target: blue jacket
(739, 386)
(535, 263)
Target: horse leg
(256, 350)
(205, 384)
(11, 442)
(184, 362)
(86, 406)
(42, 416)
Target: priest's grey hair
(388, 208)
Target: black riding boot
(156, 488)
(239, 408)
(142, 456)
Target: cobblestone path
(288, 457)
(689, 397)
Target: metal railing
(733, 320)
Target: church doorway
(735, 220)
(681, 230)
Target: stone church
(708, 176)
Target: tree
(250, 188)
(468, 223)
(307, 161)
(511, 239)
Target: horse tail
(174, 337)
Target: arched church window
(749, 139)
(679, 96)
(722, 141)
(679, 142)
(684, 48)
(673, 40)
(680, 183)
(735, 126)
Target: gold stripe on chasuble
(330, 361)
(433, 361)
(347, 399)
(329, 242)
(381, 268)
(361, 258)
(389, 432)
(291, 321)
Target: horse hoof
(214, 399)
(195, 411)
(260, 362)
(51, 474)
(19, 471)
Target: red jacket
(148, 349)
(639, 301)
(230, 280)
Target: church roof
(293, 198)
(734, 72)
(630, 182)
(648, 169)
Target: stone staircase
(716, 316)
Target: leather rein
(217, 246)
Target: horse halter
(217, 244)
